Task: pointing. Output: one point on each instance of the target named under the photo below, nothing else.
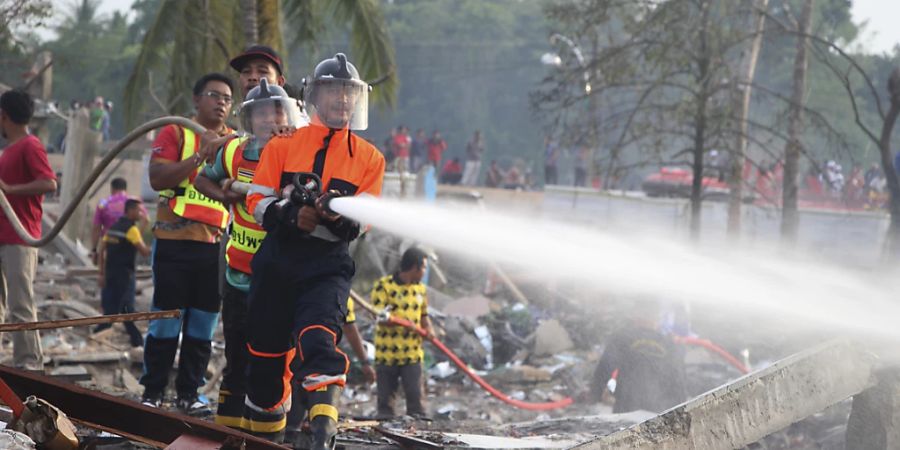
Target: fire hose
(460, 363)
(83, 190)
(242, 187)
(712, 347)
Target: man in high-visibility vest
(254, 64)
(302, 270)
(266, 108)
(186, 250)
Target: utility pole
(790, 217)
(746, 73)
(82, 144)
(40, 86)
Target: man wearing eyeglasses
(188, 228)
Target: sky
(881, 33)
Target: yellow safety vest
(246, 235)
(185, 200)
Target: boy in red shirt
(25, 176)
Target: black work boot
(295, 435)
(264, 424)
(323, 416)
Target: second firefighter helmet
(267, 107)
(336, 96)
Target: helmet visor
(340, 103)
(262, 117)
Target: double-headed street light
(553, 59)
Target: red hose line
(477, 379)
(709, 345)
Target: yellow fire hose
(70, 209)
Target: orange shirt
(352, 170)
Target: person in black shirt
(650, 366)
(117, 254)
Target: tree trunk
(892, 247)
(746, 73)
(249, 22)
(269, 25)
(790, 218)
(697, 182)
(703, 80)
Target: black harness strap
(319, 162)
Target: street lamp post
(553, 59)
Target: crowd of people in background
(405, 153)
(410, 153)
(825, 183)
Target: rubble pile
(543, 349)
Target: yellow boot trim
(230, 422)
(257, 426)
(323, 409)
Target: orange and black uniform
(301, 281)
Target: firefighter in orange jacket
(266, 108)
(302, 270)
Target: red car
(676, 182)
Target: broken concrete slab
(754, 406)
(70, 373)
(477, 441)
(875, 415)
(474, 306)
(94, 357)
(520, 374)
(125, 380)
(551, 338)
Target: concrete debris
(474, 441)
(755, 406)
(441, 370)
(70, 373)
(544, 350)
(551, 338)
(125, 380)
(523, 374)
(873, 418)
(92, 357)
(14, 440)
(460, 336)
(473, 307)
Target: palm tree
(192, 37)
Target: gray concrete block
(874, 422)
(754, 406)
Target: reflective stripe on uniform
(260, 189)
(255, 425)
(323, 409)
(230, 151)
(260, 212)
